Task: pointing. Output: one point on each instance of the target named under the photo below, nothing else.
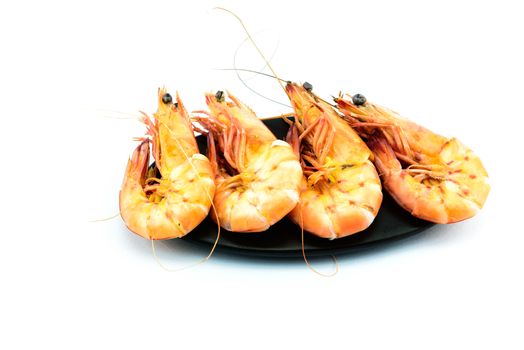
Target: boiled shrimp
(341, 193)
(433, 177)
(257, 176)
(171, 197)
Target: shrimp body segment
(257, 176)
(433, 177)
(173, 197)
(341, 193)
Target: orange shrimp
(171, 199)
(433, 177)
(342, 193)
(257, 176)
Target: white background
(70, 75)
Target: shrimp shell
(174, 204)
(342, 193)
(257, 176)
(433, 177)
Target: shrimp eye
(359, 100)
(220, 96)
(167, 99)
(307, 86)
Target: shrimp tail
(212, 153)
(385, 158)
(137, 165)
(134, 179)
(293, 139)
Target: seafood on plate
(341, 191)
(170, 198)
(257, 176)
(433, 177)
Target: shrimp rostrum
(433, 177)
(257, 176)
(341, 191)
(171, 197)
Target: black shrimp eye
(307, 86)
(220, 96)
(359, 100)
(167, 99)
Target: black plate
(283, 238)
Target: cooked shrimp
(257, 176)
(433, 177)
(342, 193)
(172, 198)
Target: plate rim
(316, 252)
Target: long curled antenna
(252, 71)
(254, 44)
(237, 70)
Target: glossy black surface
(283, 238)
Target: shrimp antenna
(303, 248)
(124, 115)
(252, 71)
(250, 88)
(254, 44)
(105, 219)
